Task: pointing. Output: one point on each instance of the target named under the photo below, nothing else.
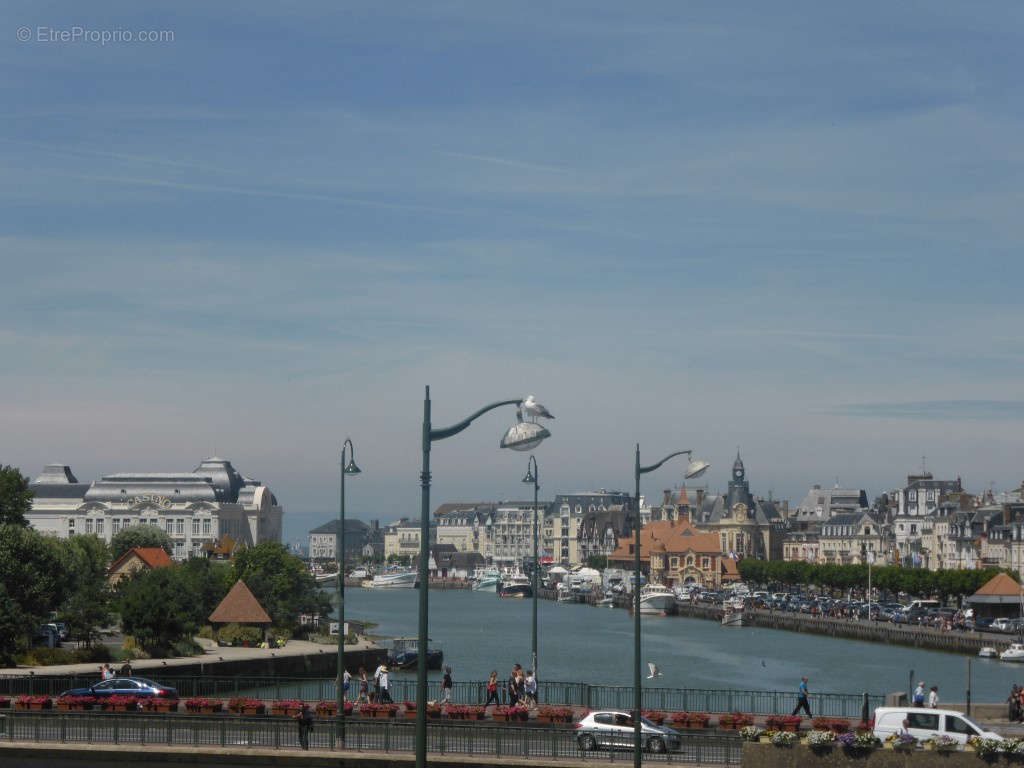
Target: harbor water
(479, 632)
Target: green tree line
(943, 584)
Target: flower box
(328, 709)
(75, 703)
(698, 720)
(511, 714)
(378, 710)
(120, 704)
(548, 715)
(160, 705)
(204, 706)
(734, 721)
(33, 702)
(246, 706)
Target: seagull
(535, 409)
(655, 672)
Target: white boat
(395, 580)
(606, 601)
(486, 580)
(1014, 653)
(326, 578)
(732, 613)
(988, 652)
(515, 584)
(657, 599)
(565, 594)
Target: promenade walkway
(212, 653)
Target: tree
(155, 610)
(598, 562)
(35, 580)
(139, 536)
(15, 497)
(207, 582)
(280, 582)
(87, 609)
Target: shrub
(236, 634)
(205, 632)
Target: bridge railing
(475, 692)
(361, 735)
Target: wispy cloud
(937, 410)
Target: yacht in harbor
(657, 599)
(1014, 653)
(394, 580)
(404, 654)
(732, 613)
(486, 580)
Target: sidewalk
(212, 653)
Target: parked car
(983, 622)
(926, 723)
(612, 729)
(126, 686)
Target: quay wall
(801, 756)
(873, 631)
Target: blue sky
(692, 225)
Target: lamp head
(529, 479)
(524, 436)
(351, 468)
(696, 468)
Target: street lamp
(521, 436)
(695, 468)
(533, 476)
(349, 468)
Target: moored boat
(515, 585)
(657, 599)
(988, 652)
(395, 580)
(485, 580)
(1014, 653)
(732, 613)
(404, 654)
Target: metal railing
(362, 735)
(557, 693)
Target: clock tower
(739, 488)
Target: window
(71, 526)
(913, 495)
(913, 527)
(99, 526)
(673, 562)
(959, 725)
(923, 721)
(931, 496)
(115, 525)
(705, 563)
(169, 526)
(179, 527)
(88, 525)
(195, 526)
(689, 560)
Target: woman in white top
(933, 698)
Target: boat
(606, 601)
(657, 599)
(1014, 653)
(988, 652)
(394, 580)
(485, 580)
(403, 654)
(732, 613)
(565, 594)
(515, 585)
(326, 578)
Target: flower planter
(209, 709)
(286, 711)
(163, 706)
(37, 706)
(696, 723)
(253, 710)
(790, 727)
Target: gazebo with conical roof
(240, 606)
(999, 596)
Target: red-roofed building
(673, 553)
(136, 559)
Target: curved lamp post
(349, 468)
(533, 477)
(695, 468)
(521, 436)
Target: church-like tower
(739, 488)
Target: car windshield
(647, 722)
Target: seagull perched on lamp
(535, 409)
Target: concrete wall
(799, 756)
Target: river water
(479, 632)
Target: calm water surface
(479, 632)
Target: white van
(922, 605)
(925, 723)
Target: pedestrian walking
(446, 686)
(376, 681)
(346, 682)
(364, 688)
(919, 695)
(305, 719)
(933, 698)
(126, 669)
(384, 693)
(1013, 704)
(492, 688)
(801, 700)
(514, 692)
(530, 688)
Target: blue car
(126, 686)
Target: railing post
(117, 730)
(63, 728)
(169, 724)
(587, 692)
(224, 729)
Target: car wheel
(587, 743)
(656, 745)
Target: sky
(793, 231)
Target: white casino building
(195, 508)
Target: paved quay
(212, 654)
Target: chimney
(700, 498)
(667, 498)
